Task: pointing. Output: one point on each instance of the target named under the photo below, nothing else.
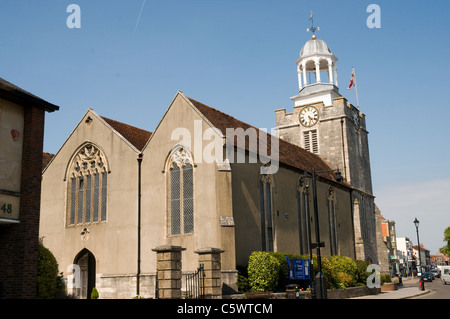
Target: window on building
(87, 184)
(303, 217)
(310, 141)
(265, 204)
(181, 192)
(332, 222)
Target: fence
(195, 284)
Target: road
(437, 289)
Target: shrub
(263, 271)
(242, 279)
(47, 274)
(362, 274)
(94, 293)
(346, 269)
(328, 270)
(385, 278)
(344, 280)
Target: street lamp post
(320, 280)
(416, 223)
(421, 282)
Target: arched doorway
(86, 261)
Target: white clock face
(309, 116)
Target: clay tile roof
(136, 136)
(46, 158)
(289, 154)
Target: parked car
(445, 274)
(436, 272)
(427, 276)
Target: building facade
(422, 256)
(22, 117)
(204, 179)
(90, 201)
(406, 260)
(390, 240)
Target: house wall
(19, 241)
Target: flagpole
(356, 88)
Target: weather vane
(313, 29)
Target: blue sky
(238, 56)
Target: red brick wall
(19, 242)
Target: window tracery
(181, 192)
(87, 186)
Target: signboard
(11, 143)
(298, 269)
(9, 206)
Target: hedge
(47, 276)
(263, 270)
(268, 271)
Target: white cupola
(317, 74)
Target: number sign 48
(6, 208)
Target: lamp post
(416, 223)
(320, 280)
(421, 282)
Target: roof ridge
(138, 137)
(223, 113)
(122, 123)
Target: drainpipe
(139, 159)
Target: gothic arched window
(265, 206)
(87, 186)
(181, 192)
(332, 222)
(303, 216)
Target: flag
(352, 80)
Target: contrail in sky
(139, 17)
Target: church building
(204, 179)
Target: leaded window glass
(87, 186)
(265, 202)
(181, 192)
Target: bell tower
(324, 123)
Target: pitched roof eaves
(136, 136)
(16, 94)
(101, 119)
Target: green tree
(446, 249)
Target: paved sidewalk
(409, 289)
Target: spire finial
(313, 29)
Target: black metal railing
(195, 284)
